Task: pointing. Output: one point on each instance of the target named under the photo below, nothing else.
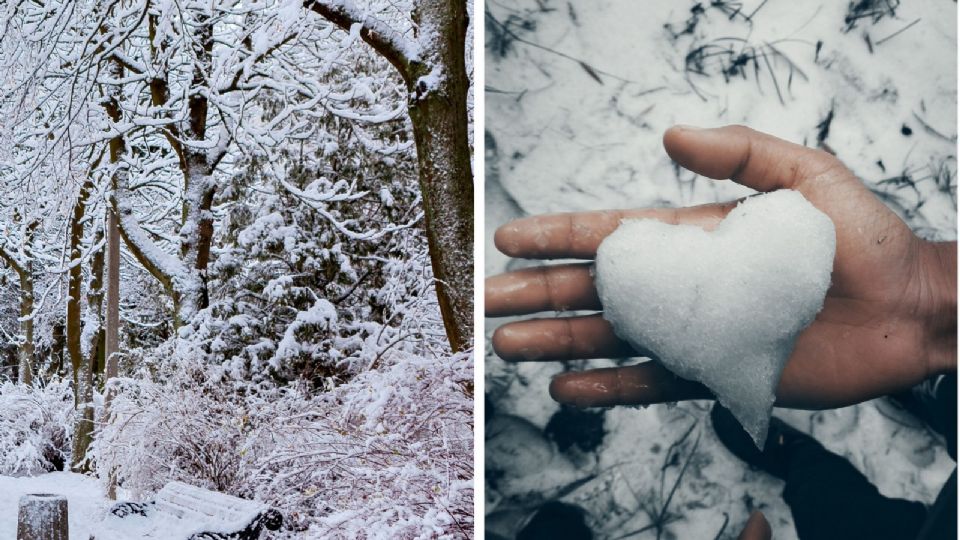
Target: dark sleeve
(941, 521)
(947, 401)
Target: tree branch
(12, 261)
(397, 49)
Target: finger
(565, 338)
(577, 235)
(757, 528)
(754, 159)
(559, 288)
(642, 384)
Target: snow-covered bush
(387, 455)
(35, 428)
(319, 256)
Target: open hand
(888, 321)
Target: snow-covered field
(577, 99)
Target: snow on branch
(321, 314)
(317, 201)
(169, 270)
(397, 49)
(15, 263)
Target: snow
(723, 308)
(569, 142)
(410, 49)
(33, 432)
(321, 315)
(558, 139)
(86, 501)
(88, 509)
(182, 280)
(430, 82)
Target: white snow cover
(86, 501)
(34, 427)
(722, 307)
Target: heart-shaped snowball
(721, 307)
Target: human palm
(887, 323)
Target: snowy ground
(575, 111)
(86, 503)
(87, 507)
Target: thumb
(754, 159)
(756, 528)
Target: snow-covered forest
(237, 252)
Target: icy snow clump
(721, 307)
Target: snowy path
(85, 499)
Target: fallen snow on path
(86, 503)
(87, 507)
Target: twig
(683, 470)
(592, 71)
(880, 41)
(726, 520)
(934, 132)
(754, 12)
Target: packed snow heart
(722, 307)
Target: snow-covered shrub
(320, 258)
(386, 455)
(35, 428)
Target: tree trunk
(25, 353)
(440, 128)
(196, 234)
(23, 267)
(112, 326)
(112, 332)
(58, 341)
(185, 280)
(81, 358)
(92, 361)
(74, 286)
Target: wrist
(940, 272)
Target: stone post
(43, 516)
